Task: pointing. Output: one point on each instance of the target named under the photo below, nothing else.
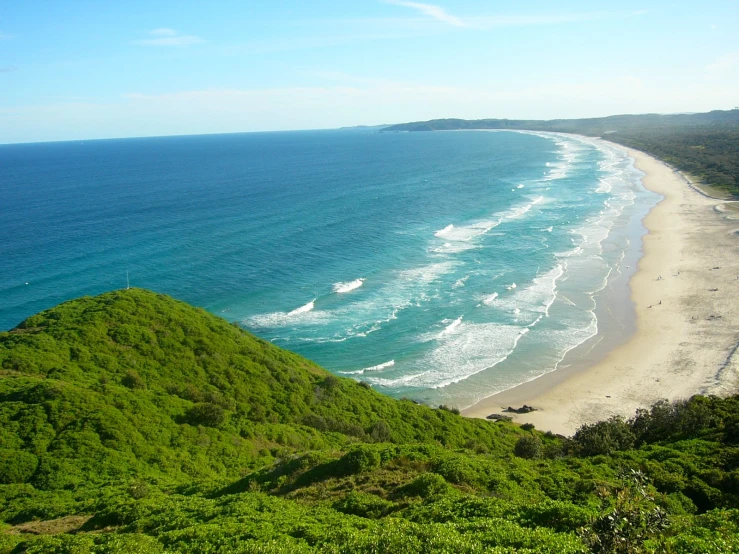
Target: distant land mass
(705, 146)
(365, 127)
(132, 422)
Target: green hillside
(132, 422)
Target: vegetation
(131, 422)
(704, 145)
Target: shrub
(359, 460)
(207, 414)
(604, 437)
(672, 419)
(380, 432)
(632, 519)
(16, 466)
(458, 470)
(331, 383)
(731, 430)
(133, 380)
(364, 505)
(528, 446)
(427, 485)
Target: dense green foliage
(704, 145)
(132, 422)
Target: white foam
(378, 367)
(519, 187)
(490, 299)
(426, 274)
(511, 286)
(604, 186)
(444, 231)
(460, 282)
(453, 326)
(453, 247)
(303, 315)
(474, 348)
(463, 237)
(303, 309)
(359, 318)
(519, 211)
(465, 233)
(341, 288)
(533, 301)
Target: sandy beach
(686, 296)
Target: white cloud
(514, 20)
(724, 63)
(436, 12)
(164, 36)
(163, 32)
(487, 22)
(491, 21)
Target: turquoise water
(431, 265)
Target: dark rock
(499, 417)
(522, 410)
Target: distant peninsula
(704, 146)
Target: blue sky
(91, 69)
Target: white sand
(682, 346)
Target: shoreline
(687, 319)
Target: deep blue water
(432, 265)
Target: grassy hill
(704, 145)
(132, 422)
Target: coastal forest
(705, 146)
(132, 422)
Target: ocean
(440, 266)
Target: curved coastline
(686, 331)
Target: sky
(85, 69)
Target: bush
(604, 437)
(673, 419)
(632, 519)
(380, 432)
(207, 414)
(529, 447)
(459, 470)
(16, 466)
(364, 505)
(427, 485)
(359, 460)
(133, 380)
(731, 430)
